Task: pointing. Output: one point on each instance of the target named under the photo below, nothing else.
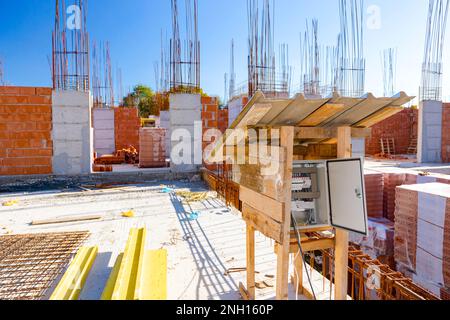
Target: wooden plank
(378, 117)
(344, 142)
(309, 245)
(361, 132)
(341, 246)
(321, 115)
(298, 110)
(67, 219)
(298, 272)
(286, 141)
(262, 223)
(271, 208)
(251, 287)
(155, 278)
(244, 293)
(305, 133)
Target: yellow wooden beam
(73, 281)
(138, 274)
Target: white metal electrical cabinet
(330, 193)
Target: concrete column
(72, 133)
(430, 132)
(185, 112)
(359, 147)
(104, 138)
(165, 124)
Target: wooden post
(251, 287)
(341, 247)
(286, 142)
(298, 275)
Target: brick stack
(403, 127)
(26, 145)
(422, 243)
(405, 243)
(446, 133)
(126, 126)
(374, 183)
(153, 148)
(210, 117)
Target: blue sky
(133, 27)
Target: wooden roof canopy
(317, 119)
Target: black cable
(297, 235)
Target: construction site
(322, 191)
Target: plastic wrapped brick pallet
(422, 234)
(153, 148)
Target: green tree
(142, 97)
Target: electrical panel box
(330, 193)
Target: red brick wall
(223, 120)
(210, 117)
(446, 133)
(26, 145)
(126, 126)
(403, 127)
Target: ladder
(387, 146)
(413, 146)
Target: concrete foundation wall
(72, 133)
(164, 118)
(430, 132)
(104, 140)
(185, 111)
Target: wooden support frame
(272, 217)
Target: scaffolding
(70, 46)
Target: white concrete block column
(186, 120)
(430, 132)
(72, 133)
(104, 130)
(165, 124)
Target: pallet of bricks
(422, 235)
(153, 148)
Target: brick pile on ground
(26, 145)
(422, 235)
(153, 148)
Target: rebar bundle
(318, 63)
(389, 64)
(2, 79)
(352, 65)
(102, 80)
(432, 67)
(232, 86)
(70, 46)
(185, 55)
(261, 59)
